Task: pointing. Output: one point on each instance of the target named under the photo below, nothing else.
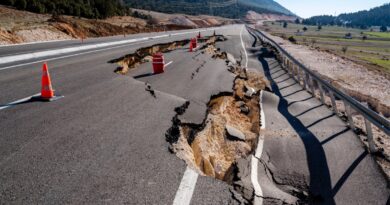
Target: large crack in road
(220, 146)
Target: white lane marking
(67, 56)
(255, 159)
(19, 101)
(186, 188)
(168, 64)
(29, 56)
(36, 42)
(243, 46)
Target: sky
(308, 8)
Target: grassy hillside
(224, 8)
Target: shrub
(344, 49)
(292, 39)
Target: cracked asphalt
(104, 143)
(310, 155)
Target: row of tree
(379, 16)
(81, 8)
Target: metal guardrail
(299, 71)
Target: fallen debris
(143, 55)
(234, 133)
(226, 135)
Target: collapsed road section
(229, 132)
(220, 143)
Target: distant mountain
(224, 8)
(378, 16)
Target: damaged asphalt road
(105, 142)
(310, 156)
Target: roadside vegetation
(369, 47)
(92, 9)
(378, 16)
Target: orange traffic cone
(47, 92)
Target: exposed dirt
(209, 148)
(254, 17)
(187, 20)
(21, 26)
(142, 55)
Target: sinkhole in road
(229, 132)
(143, 55)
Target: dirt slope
(21, 26)
(254, 17)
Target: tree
(383, 28)
(304, 29)
(285, 24)
(297, 21)
(21, 4)
(9, 2)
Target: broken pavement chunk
(231, 58)
(245, 109)
(235, 133)
(240, 103)
(249, 91)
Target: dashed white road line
(243, 46)
(19, 101)
(186, 188)
(255, 159)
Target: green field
(379, 34)
(373, 51)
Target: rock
(240, 103)
(231, 58)
(245, 109)
(249, 91)
(234, 133)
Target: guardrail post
(349, 115)
(288, 67)
(321, 92)
(294, 72)
(370, 138)
(312, 86)
(333, 99)
(305, 84)
(299, 75)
